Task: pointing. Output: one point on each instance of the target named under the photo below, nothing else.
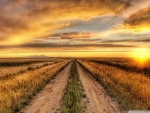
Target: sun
(141, 55)
(142, 59)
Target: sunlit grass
(6, 72)
(18, 90)
(131, 90)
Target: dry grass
(8, 71)
(127, 64)
(131, 90)
(18, 90)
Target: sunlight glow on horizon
(142, 56)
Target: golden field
(8, 71)
(17, 89)
(131, 89)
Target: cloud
(127, 40)
(70, 35)
(51, 45)
(11, 26)
(55, 46)
(139, 20)
(136, 5)
(76, 35)
(26, 19)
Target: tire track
(48, 100)
(97, 99)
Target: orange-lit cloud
(26, 19)
(71, 35)
(139, 20)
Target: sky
(74, 28)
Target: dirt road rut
(97, 99)
(48, 100)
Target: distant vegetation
(7, 64)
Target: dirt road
(97, 99)
(48, 100)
